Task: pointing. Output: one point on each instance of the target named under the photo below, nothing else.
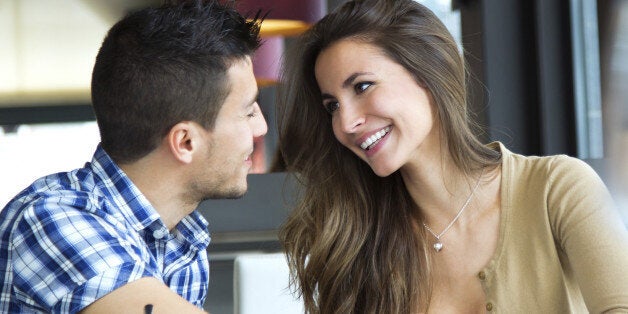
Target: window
(613, 53)
(33, 150)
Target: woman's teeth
(373, 139)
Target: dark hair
(353, 241)
(160, 66)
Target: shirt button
(489, 306)
(159, 233)
(482, 275)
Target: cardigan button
(482, 275)
(489, 306)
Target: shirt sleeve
(588, 227)
(65, 258)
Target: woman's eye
(331, 106)
(362, 86)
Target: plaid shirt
(71, 238)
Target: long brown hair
(351, 240)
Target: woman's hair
(352, 240)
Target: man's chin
(233, 193)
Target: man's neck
(156, 179)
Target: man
(175, 100)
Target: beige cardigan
(562, 246)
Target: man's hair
(160, 66)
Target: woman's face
(377, 108)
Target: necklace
(439, 245)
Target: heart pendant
(438, 246)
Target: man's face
(226, 159)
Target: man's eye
(252, 113)
(331, 106)
(361, 87)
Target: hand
(145, 294)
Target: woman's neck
(438, 186)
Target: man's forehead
(241, 82)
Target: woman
(403, 210)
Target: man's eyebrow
(253, 100)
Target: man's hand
(134, 296)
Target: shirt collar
(137, 210)
(194, 228)
(130, 202)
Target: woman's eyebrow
(352, 78)
(347, 82)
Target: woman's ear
(182, 141)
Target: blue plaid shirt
(71, 238)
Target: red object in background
(267, 59)
(266, 62)
(259, 156)
(303, 10)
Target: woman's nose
(350, 118)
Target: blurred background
(548, 77)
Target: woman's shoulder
(553, 166)
(553, 178)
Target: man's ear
(182, 140)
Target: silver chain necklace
(439, 245)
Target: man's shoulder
(78, 190)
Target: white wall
(37, 150)
(48, 44)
